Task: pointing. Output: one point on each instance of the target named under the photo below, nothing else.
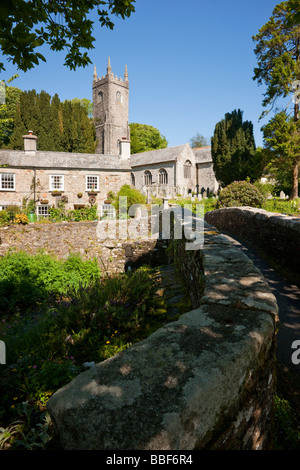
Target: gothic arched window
(100, 96)
(147, 178)
(187, 173)
(118, 97)
(163, 176)
(132, 179)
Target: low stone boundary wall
(89, 240)
(276, 234)
(205, 381)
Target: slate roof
(203, 154)
(63, 160)
(169, 154)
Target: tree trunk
(294, 194)
(296, 163)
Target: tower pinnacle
(108, 66)
(126, 73)
(95, 73)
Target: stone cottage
(46, 177)
(86, 179)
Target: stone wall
(205, 381)
(89, 240)
(276, 234)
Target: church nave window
(163, 176)
(148, 178)
(187, 172)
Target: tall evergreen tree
(233, 148)
(278, 66)
(56, 123)
(59, 126)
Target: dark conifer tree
(233, 148)
(63, 127)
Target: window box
(56, 193)
(56, 183)
(44, 201)
(93, 193)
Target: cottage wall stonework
(74, 184)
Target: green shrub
(28, 280)
(240, 193)
(13, 211)
(4, 217)
(84, 213)
(134, 196)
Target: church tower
(110, 110)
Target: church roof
(62, 160)
(169, 154)
(203, 154)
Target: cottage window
(56, 182)
(7, 181)
(148, 178)
(108, 211)
(163, 176)
(43, 211)
(118, 97)
(132, 179)
(92, 183)
(187, 172)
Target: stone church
(84, 179)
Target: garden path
(288, 299)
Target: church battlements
(110, 76)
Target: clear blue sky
(189, 62)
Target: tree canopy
(198, 141)
(282, 141)
(7, 111)
(25, 25)
(232, 148)
(144, 137)
(278, 68)
(59, 126)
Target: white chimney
(124, 148)
(30, 142)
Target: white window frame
(43, 208)
(52, 183)
(2, 177)
(88, 187)
(108, 210)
